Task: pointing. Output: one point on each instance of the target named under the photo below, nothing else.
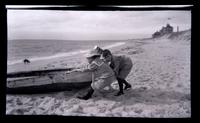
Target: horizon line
(95, 39)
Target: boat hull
(57, 80)
(47, 88)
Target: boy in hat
(121, 65)
(102, 74)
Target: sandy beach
(160, 81)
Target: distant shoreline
(63, 54)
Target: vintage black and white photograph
(98, 63)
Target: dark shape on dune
(26, 61)
(165, 30)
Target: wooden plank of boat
(36, 72)
(20, 78)
(48, 82)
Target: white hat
(98, 49)
(92, 53)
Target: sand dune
(160, 79)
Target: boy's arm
(91, 67)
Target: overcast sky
(91, 25)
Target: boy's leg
(88, 95)
(127, 85)
(102, 83)
(120, 82)
(123, 73)
(97, 86)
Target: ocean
(36, 50)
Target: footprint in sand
(138, 111)
(19, 102)
(143, 88)
(50, 65)
(64, 64)
(137, 51)
(144, 78)
(18, 111)
(77, 109)
(102, 109)
(127, 48)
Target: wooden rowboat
(44, 81)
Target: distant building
(169, 29)
(165, 30)
(156, 34)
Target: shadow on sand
(131, 97)
(147, 96)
